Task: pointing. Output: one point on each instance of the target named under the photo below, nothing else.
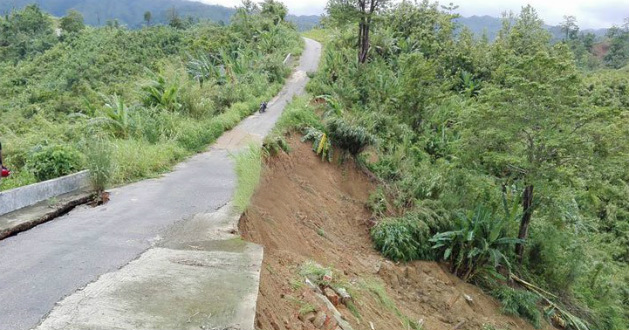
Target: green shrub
(248, 168)
(53, 161)
(273, 144)
(377, 202)
(400, 239)
(193, 102)
(159, 92)
(477, 245)
(352, 138)
(519, 303)
(321, 143)
(100, 163)
(298, 115)
(115, 116)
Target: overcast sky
(589, 13)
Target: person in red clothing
(3, 170)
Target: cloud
(589, 13)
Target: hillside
(131, 13)
(491, 26)
(326, 228)
(152, 96)
(506, 160)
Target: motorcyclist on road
(263, 107)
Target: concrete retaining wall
(21, 197)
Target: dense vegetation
(490, 26)
(508, 158)
(133, 14)
(148, 97)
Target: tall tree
(569, 27)
(274, 10)
(617, 55)
(147, 17)
(528, 129)
(73, 22)
(361, 10)
(25, 32)
(173, 19)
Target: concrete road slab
(169, 289)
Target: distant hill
(131, 12)
(492, 25)
(304, 23)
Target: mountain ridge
(131, 13)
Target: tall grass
(248, 169)
(99, 161)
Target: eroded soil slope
(309, 212)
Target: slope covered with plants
(147, 98)
(508, 160)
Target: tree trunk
(365, 41)
(528, 198)
(360, 38)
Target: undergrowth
(248, 168)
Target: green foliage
(397, 239)
(477, 245)
(248, 167)
(25, 33)
(99, 162)
(519, 303)
(49, 162)
(408, 237)
(115, 116)
(298, 115)
(315, 272)
(349, 137)
(617, 55)
(159, 92)
(463, 122)
(273, 144)
(377, 202)
(274, 10)
(376, 288)
(54, 95)
(72, 23)
(321, 143)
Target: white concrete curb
(15, 199)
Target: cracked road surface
(39, 267)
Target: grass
(306, 308)
(320, 35)
(378, 290)
(248, 169)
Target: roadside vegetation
(506, 159)
(148, 97)
(248, 167)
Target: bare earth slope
(306, 209)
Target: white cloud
(589, 13)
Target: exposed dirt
(306, 209)
(601, 49)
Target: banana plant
(115, 116)
(158, 92)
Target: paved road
(40, 267)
